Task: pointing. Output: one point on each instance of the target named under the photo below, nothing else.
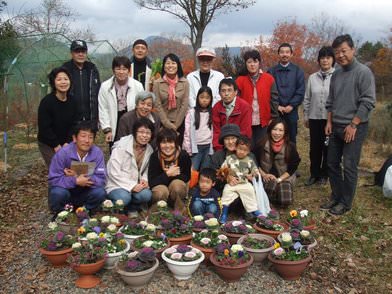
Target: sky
(122, 19)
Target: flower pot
(185, 240)
(272, 233)
(233, 237)
(309, 247)
(258, 254)
(137, 280)
(87, 278)
(197, 230)
(289, 270)
(229, 273)
(310, 227)
(56, 258)
(112, 258)
(157, 251)
(206, 251)
(129, 238)
(182, 270)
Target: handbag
(261, 196)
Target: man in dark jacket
(85, 82)
(290, 81)
(141, 67)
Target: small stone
(313, 276)
(364, 238)
(351, 264)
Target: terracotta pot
(309, 247)
(289, 270)
(310, 227)
(228, 273)
(185, 240)
(207, 252)
(233, 237)
(137, 280)
(272, 233)
(56, 258)
(157, 251)
(258, 254)
(197, 230)
(87, 278)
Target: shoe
(328, 205)
(225, 212)
(256, 213)
(338, 209)
(311, 181)
(298, 174)
(323, 181)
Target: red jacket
(241, 116)
(263, 87)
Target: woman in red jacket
(259, 90)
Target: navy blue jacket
(290, 82)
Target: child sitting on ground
(242, 169)
(205, 199)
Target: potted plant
(305, 237)
(182, 260)
(267, 226)
(290, 259)
(114, 209)
(133, 229)
(116, 246)
(305, 217)
(137, 268)
(161, 213)
(258, 245)
(177, 228)
(207, 240)
(236, 229)
(200, 222)
(87, 258)
(231, 263)
(151, 240)
(68, 221)
(56, 245)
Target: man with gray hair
(205, 76)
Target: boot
(225, 212)
(256, 213)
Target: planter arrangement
(200, 222)
(116, 246)
(231, 263)
(236, 229)
(270, 227)
(305, 237)
(161, 213)
(257, 245)
(133, 229)
(206, 242)
(182, 260)
(177, 228)
(68, 220)
(137, 268)
(304, 216)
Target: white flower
(148, 243)
(93, 220)
(76, 245)
(190, 254)
(304, 213)
(143, 224)
(222, 237)
(132, 254)
(105, 219)
(162, 204)
(205, 241)
(112, 228)
(305, 234)
(236, 223)
(194, 250)
(176, 256)
(119, 202)
(92, 236)
(150, 227)
(286, 237)
(114, 220)
(52, 225)
(63, 214)
(212, 222)
(236, 247)
(249, 227)
(198, 218)
(205, 231)
(171, 250)
(107, 203)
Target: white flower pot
(182, 270)
(112, 258)
(129, 238)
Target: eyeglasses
(146, 133)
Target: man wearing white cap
(205, 76)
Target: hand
(269, 177)
(69, 172)
(108, 137)
(84, 181)
(173, 171)
(137, 188)
(288, 109)
(349, 134)
(328, 128)
(65, 144)
(57, 148)
(144, 183)
(249, 177)
(231, 180)
(306, 124)
(281, 109)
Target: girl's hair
(176, 59)
(198, 108)
(52, 77)
(167, 135)
(268, 138)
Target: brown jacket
(172, 118)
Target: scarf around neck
(172, 91)
(277, 146)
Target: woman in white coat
(116, 97)
(127, 167)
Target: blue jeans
(132, 200)
(80, 196)
(344, 185)
(198, 159)
(200, 208)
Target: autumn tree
(196, 14)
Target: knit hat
(143, 95)
(139, 41)
(229, 130)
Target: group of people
(160, 131)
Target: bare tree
(196, 14)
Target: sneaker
(323, 181)
(311, 181)
(328, 205)
(338, 209)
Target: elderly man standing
(85, 82)
(205, 76)
(352, 96)
(141, 68)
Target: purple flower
(295, 222)
(166, 224)
(295, 234)
(146, 250)
(242, 228)
(240, 253)
(60, 236)
(261, 217)
(97, 229)
(133, 264)
(183, 248)
(221, 247)
(268, 223)
(52, 246)
(119, 235)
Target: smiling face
(62, 82)
(121, 74)
(84, 140)
(140, 51)
(205, 63)
(143, 135)
(230, 143)
(253, 66)
(285, 55)
(168, 148)
(344, 54)
(170, 67)
(277, 133)
(144, 107)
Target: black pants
(318, 150)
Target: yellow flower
(81, 230)
(293, 213)
(101, 235)
(79, 209)
(122, 241)
(276, 245)
(226, 252)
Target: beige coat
(172, 118)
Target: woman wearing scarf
(169, 170)
(278, 159)
(172, 92)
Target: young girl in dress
(198, 129)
